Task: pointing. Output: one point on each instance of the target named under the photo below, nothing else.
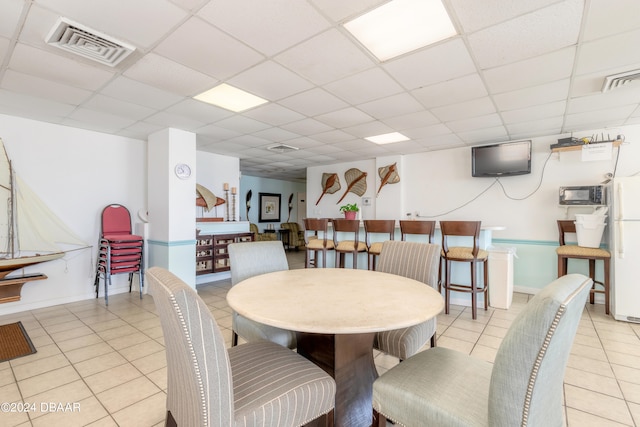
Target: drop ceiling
(516, 70)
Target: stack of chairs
(119, 251)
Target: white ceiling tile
(133, 24)
(36, 62)
(198, 110)
(550, 92)
(474, 14)
(609, 52)
(99, 121)
(326, 57)
(196, 43)
(313, 102)
(391, 106)
(531, 72)
(495, 134)
(597, 119)
(443, 142)
(411, 120)
(139, 93)
(434, 64)
(534, 113)
(42, 88)
(243, 125)
(190, 4)
(218, 133)
(249, 141)
(605, 18)
(33, 107)
(365, 86)
(481, 122)
(552, 125)
(332, 136)
(617, 97)
(346, 117)
(117, 107)
(302, 142)
(452, 91)
(270, 27)
(530, 35)
(274, 114)
(340, 9)
(161, 72)
(436, 130)
(306, 127)
(271, 81)
(174, 121)
(4, 47)
(140, 130)
(276, 134)
(463, 110)
(368, 129)
(11, 11)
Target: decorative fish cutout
(330, 184)
(357, 181)
(206, 199)
(388, 175)
(248, 203)
(290, 206)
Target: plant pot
(350, 214)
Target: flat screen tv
(511, 158)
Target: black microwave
(583, 195)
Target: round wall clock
(183, 171)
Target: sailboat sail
(30, 232)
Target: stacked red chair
(119, 250)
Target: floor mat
(14, 342)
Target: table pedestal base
(348, 358)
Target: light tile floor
(102, 366)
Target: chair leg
(141, 280)
(447, 267)
(170, 421)
(433, 340)
(355, 260)
(379, 420)
(234, 339)
(486, 284)
(606, 285)
(592, 274)
(474, 294)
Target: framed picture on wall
(269, 207)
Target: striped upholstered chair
(254, 384)
(250, 259)
(418, 261)
(523, 387)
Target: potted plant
(350, 210)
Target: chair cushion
(273, 386)
(461, 252)
(375, 248)
(349, 246)
(406, 393)
(319, 244)
(404, 343)
(579, 251)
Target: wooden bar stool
(427, 228)
(472, 255)
(565, 252)
(316, 242)
(377, 226)
(344, 247)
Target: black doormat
(14, 342)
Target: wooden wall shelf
(616, 143)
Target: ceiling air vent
(282, 148)
(83, 41)
(621, 79)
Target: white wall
(213, 170)
(76, 173)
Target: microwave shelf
(616, 143)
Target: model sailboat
(29, 232)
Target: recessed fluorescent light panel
(401, 26)
(387, 138)
(230, 98)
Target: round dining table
(335, 313)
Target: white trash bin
(501, 276)
(589, 229)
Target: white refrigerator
(625, 248)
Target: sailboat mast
(12, 210)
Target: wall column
(171, 203)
